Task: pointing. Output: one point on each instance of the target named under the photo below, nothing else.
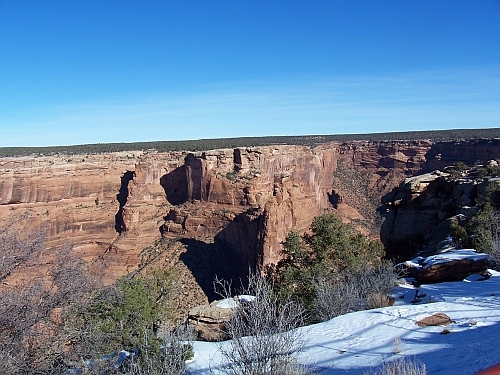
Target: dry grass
(401, 366)
(397, 345)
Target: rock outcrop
(209, 321)
(452, 265)
(424, 209)
(248, 199)
(111, 206)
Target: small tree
(484, 227)
(332, 247)
(124, 315)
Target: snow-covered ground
(360, 341)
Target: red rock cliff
(115, 205)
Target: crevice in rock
(122, 197)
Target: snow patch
(231, 303)
(357, 342)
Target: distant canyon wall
(114, 205)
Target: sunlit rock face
(112, 206)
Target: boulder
(438, 319)
(451, 265)
(209, 321)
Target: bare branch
(264, 339)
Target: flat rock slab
(438, 319)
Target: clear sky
(98, 71)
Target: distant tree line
(219, 143)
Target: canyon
(214, 212)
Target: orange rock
(111, 206)
(438, 319)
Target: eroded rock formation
(111, 206)
(209, 321)
(422, 211)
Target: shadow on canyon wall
(206, 261)
(122, 200)
(334, 199)
(175, 185)
(235, 249)
(185, 182)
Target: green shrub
(124, 315)
(458, 233)
(484, 228)
(331, 247)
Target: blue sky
(74, 72)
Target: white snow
(454, 255)
(229, 303)
(243, 298)
(446, 256)
(357, 342)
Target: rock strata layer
(111, 206)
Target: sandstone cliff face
(248, 198)
(112, 206)
(422, 210)
(413, 210)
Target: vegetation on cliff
(126, 314)
(483, 229)
(135, 312)
(318, 267)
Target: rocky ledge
(450, 265)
